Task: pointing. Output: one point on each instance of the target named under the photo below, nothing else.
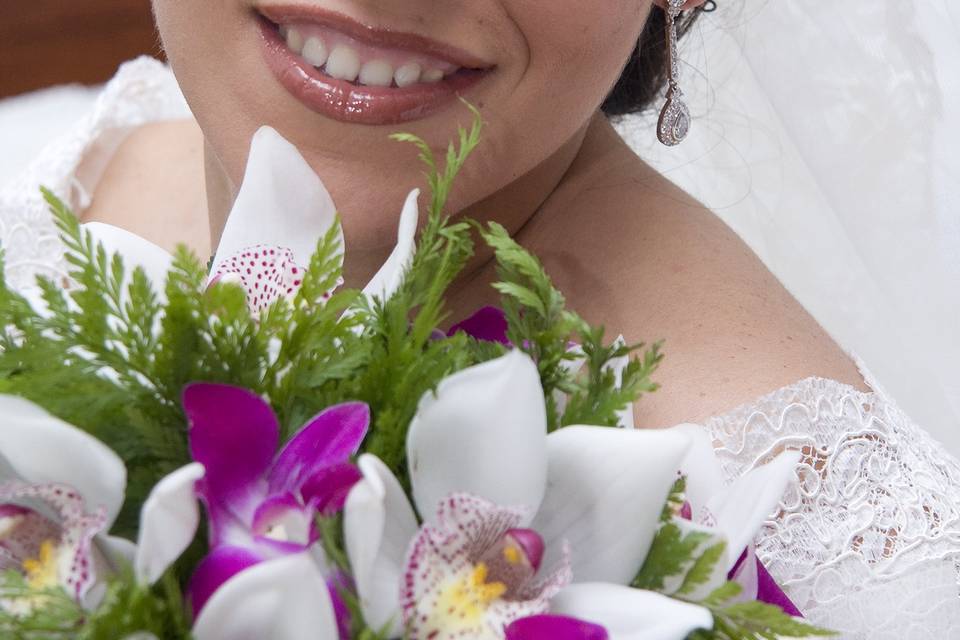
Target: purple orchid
(263, 506)
(488, 324)
(553, 627)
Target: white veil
(827, 134)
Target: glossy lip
(347, 102)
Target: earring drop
(674, 123)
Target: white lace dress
(868, 540)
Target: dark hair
(645, 74)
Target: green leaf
(670, 554)
(126, 608)
(703, 569)
(759, 619)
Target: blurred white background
(828, 137)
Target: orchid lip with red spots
(55, 551)
(474, 572)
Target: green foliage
(112, 357)
(47, 614)
(687, 562)
(405, 358)
(752, 620)
(702, 569)
(127, 608)
(670, 555)
(675, 499)
(541, 325)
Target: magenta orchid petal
(331, 437)
(271, 548)
(328, 488)
(531, 543)
(488, 324)
(219, 566)
(770, 592)
(554, 627)
(233, 434)
(11, 510)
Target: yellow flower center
(462, 602)
(42, 572)
(513, 554)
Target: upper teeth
(407, 74)
(344, 62)
(314, 51)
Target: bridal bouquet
(246, 449)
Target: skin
(629, 249)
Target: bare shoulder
(153, 186)
(648, 261)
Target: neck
(513, 206)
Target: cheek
(203, 42)
(578, 48)
(575, 52)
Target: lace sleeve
(867, 542)
(143, 90)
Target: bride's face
(337, 76)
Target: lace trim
(143, 90)
(867, 541)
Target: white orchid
(60, 492)
(484, 434)
(280, 213)
(733, 514)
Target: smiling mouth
(359, 74)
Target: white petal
(605, 493)
(484, 433)
(41, 448)
(390, 275)
(135, 251)
(283, 599)
(741, 508)
(631, 614)
(118, 552)
(700, 466)
(168, 522)
(378, 526)
(281, 202)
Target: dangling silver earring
(674, 123)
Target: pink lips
(348, 102)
